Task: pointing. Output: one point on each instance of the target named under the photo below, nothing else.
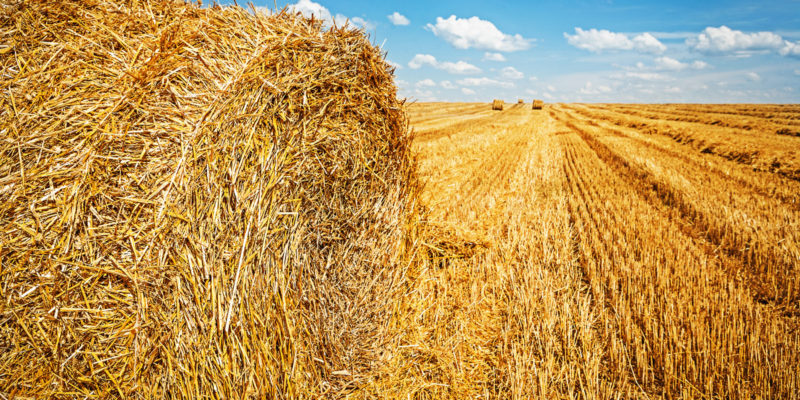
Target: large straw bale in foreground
(195, 202)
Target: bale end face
(497, 105)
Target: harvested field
(214, 203)
(629, 251)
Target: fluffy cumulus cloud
(511, 73)
(726, 40)
(398, 19)
(670, 64)
(597, 41)
(590, 88)
(426, 83)
(459, 67)
(421, 59)
(473, 32)
(467, 91)
(790, 49)
(309, 8)
(484, 82)
(447, 85)
(493, 57)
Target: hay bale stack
(497, 105)
(537, 104)
(195, 202)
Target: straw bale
(196, 202)
(520, 101)
(537, 104)
(497, 105)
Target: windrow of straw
(196, 202)
(497, 105)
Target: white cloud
(753, 77)
(790, 49)
(493, 57)
(670, 64)
(647, 43)
(726, 40)
(673, 89)
(394, 64)
(426, 83)
(589, 88)
(699, 65)
(467, 91)
(401, 83)
(484, 82)
(362, 23)
(596, 41)
(645, 76)
(447, 85)
(425, 95)
(511, 73)
(421, 59)
(459, 67)
(309, 8)
(473, 32)
(398, 19)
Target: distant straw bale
(196, 202)
(520, 101)
(497, 105)
(537, 104)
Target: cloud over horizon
(475, 33)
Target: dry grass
(206, 203)
(617, 264)
(197, 203)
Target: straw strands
(196, 202)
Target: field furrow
(607, 262)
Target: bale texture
(497, 105)
(196, 202)
(537, 104)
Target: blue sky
(584, 51)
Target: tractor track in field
(693, 222)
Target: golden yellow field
(219, 203)
(613, 251)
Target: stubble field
(612, 251)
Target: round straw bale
(497, 105)
(195, 202)
(537, 104)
